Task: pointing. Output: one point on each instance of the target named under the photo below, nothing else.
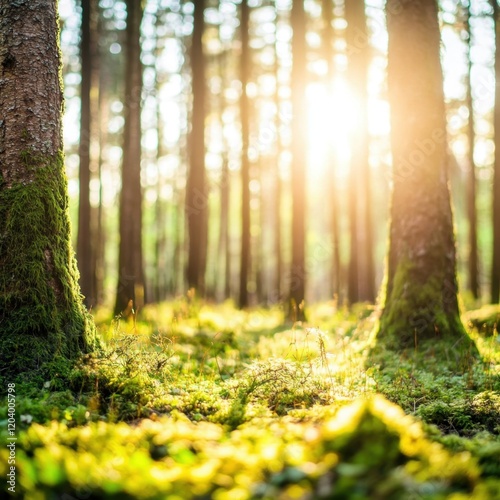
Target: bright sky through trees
(336, 101)
(331, 116)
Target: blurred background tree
(229, 142)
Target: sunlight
(332, 117)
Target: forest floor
(197, 401)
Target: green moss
(415, 311)
(368, 449)
(486, 320)
(40, 302)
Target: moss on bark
(419, 308)
(41, 309)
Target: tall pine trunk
(473, 264)
(196, 189)
(245, 163)
(84, 239)
(421, 292)
(130, 285)
(299, 159)
(361, 267)
(495, 268)
(278, 188)
(331, 187)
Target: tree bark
(85, 248)
(42, 316)
(495, 268)
(421, 292)
(130, 285)
(196, 190)
(224, 261)
(299, 159)
(331, 187)
(245, 163)
(361, 268)
(473, 264)
(276, 292)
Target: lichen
(41, 308)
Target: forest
(250, 249)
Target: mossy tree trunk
(130, 286)
(41, 310)
(421, 289)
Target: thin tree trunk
(224, 250)
(495, 268)
(196, 190)
(95, 151)
(276, 293)
(100, 269)
(471, 173)
(328, 38)
(299, 154)
(245, 164)
(130, 286)
(361, 271)
(84, 237)
(160, 218)
(160, 281)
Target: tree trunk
(84, 240)
(161, 279)
(276, 292)
(328, 39)
(224, 261)
(495, 268)
(421, 292)
(41, 311)
(299, 158)
(130, 285)
(100, 247)
(245, 164)
(196, 190)
(471, 174)
(361, 270)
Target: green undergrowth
(190, 400)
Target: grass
(197, 401)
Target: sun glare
(333, 114)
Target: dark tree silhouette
(278, 185)
(298, 85)
(130, 286)
(495, 268)
(473, 264)
(328, 53)
(245, 163)
(361, 268)
(85, 248)
(196, 189)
